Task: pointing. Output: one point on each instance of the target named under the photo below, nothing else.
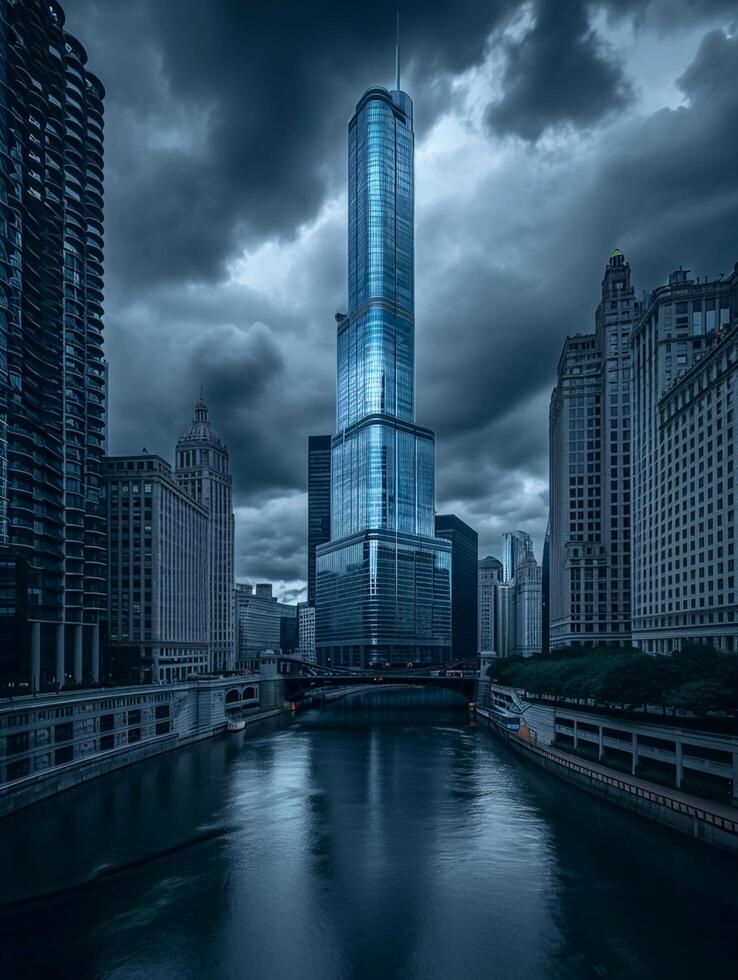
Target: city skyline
(263, 343)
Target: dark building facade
(590, 474)
(319, 502)
(52, 371)
(158, 596)
(464, 588)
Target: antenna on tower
(397, 53)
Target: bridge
(303, 678)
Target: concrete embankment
(704, 820)
(53, 742)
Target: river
(362, 841)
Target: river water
(355, 842)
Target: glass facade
(383, 581)
(319, 502)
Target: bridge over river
(303, 678)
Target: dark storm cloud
(225, 138)
(263, 84)
(271, 543)
(671, 15)
(675, 173)
(559, 72)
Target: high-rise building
(504, 619)
(464, 601)
(203, 470)
(306, 627)
(52, 371)
(383, 582)
(590, 474)
(685, 444)
(526, 603)
(516, 545)
(259, 622)
(545, 589)
(319, 502)
(288, 628)
(489, 575)
(158, 603)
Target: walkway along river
(357, 843)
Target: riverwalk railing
(634, 787)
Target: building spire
(397, 53)
(201, 409)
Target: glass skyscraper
(383, 580)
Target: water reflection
(356, 843)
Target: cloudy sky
(547, 133)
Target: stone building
(158, 609)
(203, 470)
(590, 474)
(685, 443)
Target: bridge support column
(680, 767)
(600, 744)
(576, 735)
(634, 763)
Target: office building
(464, 542)
(489, 575)
(52, 371)
(203, 470)
(504, 619)
(590, 474)
(526, 602)
(259, 623)
(685, 443)
(319, 502)
(158, 541)
(306, 626)
(383, 592)
(515, 546)
(288, 628)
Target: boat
(235, 724)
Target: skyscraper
(590, 474)
(685, 445)
(515, 546)
(203, 470)
(52, 371)
(319, 502)
(383, 581)
(489, 575)
(526, 604)
(464, 542)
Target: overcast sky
(547, 134)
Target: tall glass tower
(383, 580)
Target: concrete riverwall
(712, 823)
(50, 743)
